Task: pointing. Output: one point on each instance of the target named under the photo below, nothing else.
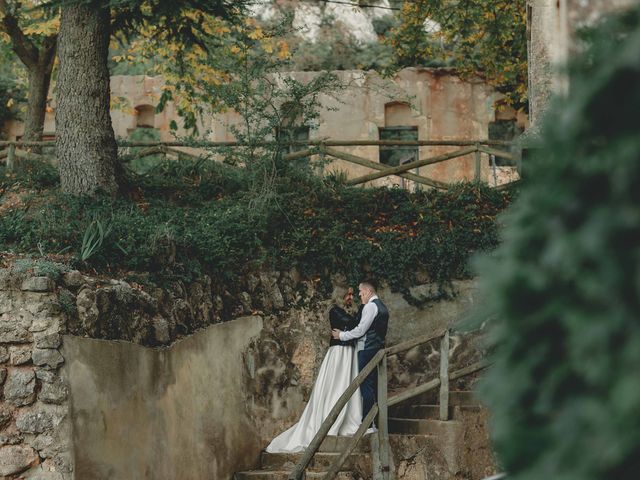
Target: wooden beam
(478, 164)
(497, 153)
(401, 347)
(383, 420)
(329, 143)
(353, 441)
(11, 157)
(409, 166)
(444, 377)
(300, 154)
(377, 166)
(430, 385)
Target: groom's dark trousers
(374, 342)
(369, 387)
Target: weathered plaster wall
(552, 26)
(177, 412)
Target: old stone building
(417, 104)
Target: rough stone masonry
(34, 418)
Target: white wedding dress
(338, 369)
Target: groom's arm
(369, 312)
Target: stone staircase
(413, 427)
(277, 466)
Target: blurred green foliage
(563, 289)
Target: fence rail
(323, 147)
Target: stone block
(19, 354)
(74, 279)
(13, 329)
(11, 438)
(44, 323)
(5, 416)
(17, 458)
(20, 386)
(47, 340)
(53, 388)
(37, 284)
(6, 302)
(41, 472)
(47, 356)
(4, 353)
(35, 421)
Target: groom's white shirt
(369, 312)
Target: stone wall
(35, 428)
(186, 395)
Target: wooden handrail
(401, 347)
(430, 385)
(353, 441)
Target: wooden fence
(324, 148)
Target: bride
(339, 367)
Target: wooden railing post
(383, 421)
(444, 377)
(478, 154)
(11, 157)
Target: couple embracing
(355, 341)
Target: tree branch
(24, 48)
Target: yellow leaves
(10, 103)
(283, 50)
(235, 49)
(257, 34)
(45, 27)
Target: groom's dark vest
(374, 338)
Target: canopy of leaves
(563, 287)
(476, 36)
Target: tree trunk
(39, 82)
(85, 142)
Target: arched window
(291, 127)
(398, 122)
(145, 116)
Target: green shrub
(564, 286)
(41, 267)
(30, 174)
(315, 225)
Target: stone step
(432, 412)
(284, 475)
(321, 461)
(456, 398)
(412, 426)
(338, 444)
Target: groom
(370, 332)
